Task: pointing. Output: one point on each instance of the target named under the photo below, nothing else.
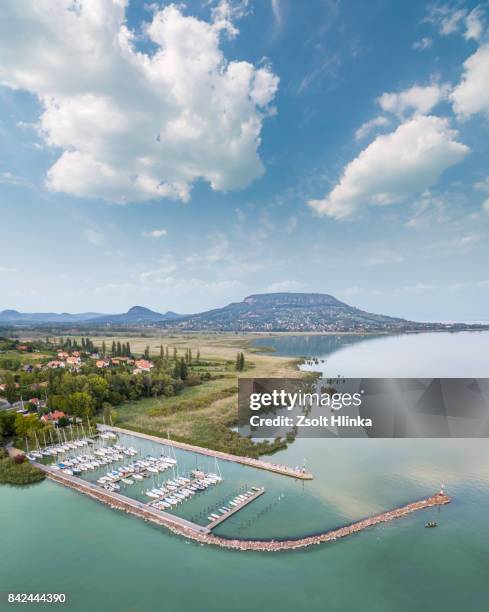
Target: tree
(119, 349)
(146, 352)
(113, 348)
(81, 404)
(26, 426)
(162, 352)
(128, 349)
(183, 369)
(175, 352)
(63, 421)
(10, 387)
(240, 362)
(104, 348)
(98, 388)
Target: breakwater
(255, 463)
(203, 535)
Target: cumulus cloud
(369, 126)
(485, 206)
(394, 166)
(157, 233)
(416, 99)
(471, 95)
(134, 125)
(474, 24)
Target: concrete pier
(256, 463)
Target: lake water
(55, 539)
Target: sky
(184, 156)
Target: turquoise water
(55, 539)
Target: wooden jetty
(255, 463)
(235, 509)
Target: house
(73, 361)
(22, 347)
(143, 365)
(52, 417)
(101, 363)
(63, 355)
(56, 364)
(35, 402)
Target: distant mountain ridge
(14, 316)
(135, 315)
(288, 312)
(294, 312)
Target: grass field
(205, 414)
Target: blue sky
(183, 157)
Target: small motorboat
(431, 524)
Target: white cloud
(446, 18)
(369, 126)
(277, 12)
(158, 233)
(136, 125)
(466, 241)
(474, 24)
(94, 237)
(418, 99)
(485, 206)
(427, 212)
(417, 288)
(285, 285)
(482, 185)
(6, 270)
(394, 166)
(7, 178)
(423, 44)
(472, 94)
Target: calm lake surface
(55, 539)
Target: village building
(142, 365)
(55, 364)
(52, 417)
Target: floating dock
(235, 509)
(255, 463)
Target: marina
(284, 470)
(204, 535)
(106, 448)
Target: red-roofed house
(142, 365)
(52, 417)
